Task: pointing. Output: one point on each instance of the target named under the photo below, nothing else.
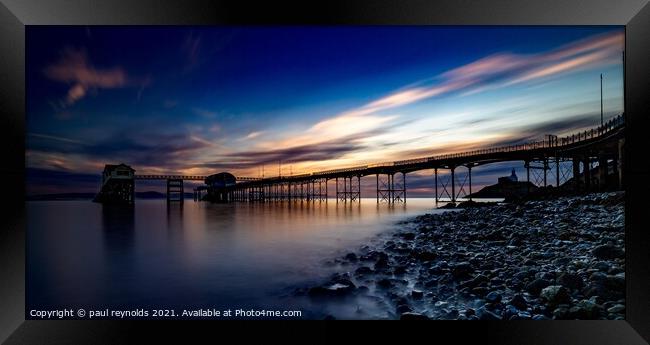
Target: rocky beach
(561, 258)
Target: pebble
(542, 259)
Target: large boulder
(536, 286)
(608, 252)
(519, 302)
(555, 295)
(571, 281)
(462, 270)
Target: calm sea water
(241, 255)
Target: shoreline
(538, 259)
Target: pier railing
(553, 141)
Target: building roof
(116, 166)
(223, 177)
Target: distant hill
(62, 196)
(90, 196)
(505, 189)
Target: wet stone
(617, 309)
(493, 297)
(555, 294)
(571, 281)
(413, 316)
(519, 302)
(608, 251)
(536, 286)
(561, 258)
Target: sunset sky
(201, 100)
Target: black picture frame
(16, 14)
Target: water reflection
(118, 228)
(174, 217)
(196, 253)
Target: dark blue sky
(205, 99)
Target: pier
(591, 159)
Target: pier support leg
(576, 173)
(359, 188)
(175, 186)
(403, 185)
(337, 189)
(621, 161)
(326, 190)
(132, 184)
(391, 188)
(435, 178)
(469, 172)
(602, 172)
(557, 171)
(453, 185)
(527, 165)
(377, 188)
(587, 173)
(545, 170)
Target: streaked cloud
(56, 138)
(75, 68)
(323, 151)
(253, 135)
(502, 97)
(504, 69)
(489, 73)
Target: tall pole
(601, 100)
